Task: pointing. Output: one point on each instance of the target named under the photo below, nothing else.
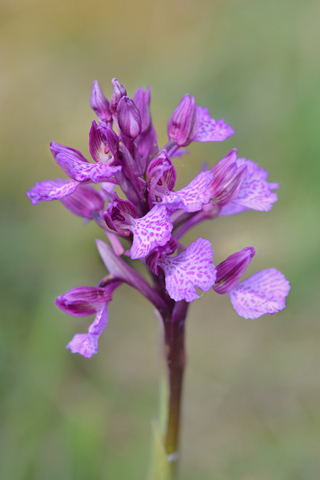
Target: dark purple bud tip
(183, 124)
(129, 118)
(118, 92)
(100, 104)
(81, 301)
(231, 269)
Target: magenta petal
(209, 129)
(87, 344)
(193, 267)
(151, 231)
(51, 190)
(193, 196)
(263, 292)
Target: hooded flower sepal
(263, 292)
(78, 168)
(255, 192)
(189, 269)
(100, 104)
(120, 215)
(83, 301)
(161, 175)
(149, 232)
(103, 144)
(227, 179)
(231, 270)
(48, 190)
(84, 202)
(192, 197)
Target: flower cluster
(152, 216)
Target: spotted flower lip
(190, 268)
(264, 292)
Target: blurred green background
(252, 390)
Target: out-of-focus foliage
(252, 390)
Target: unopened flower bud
(84, 201)
(227, 179)
(129, 118)
(81, 301)
(118, 92)
(231, 269)
(183, 124)
(142, 101)
(103, 144)
(100, 104)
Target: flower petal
(209, 129)
(193, 267)
(263, 292)
(255, 192)
(193, 196)
(150, 231)
(87, 344)
(51, 190)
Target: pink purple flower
(145, 217)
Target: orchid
(149, 218)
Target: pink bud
(129, 118)
(118, 92)
(100, 104)
(183, 124)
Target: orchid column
(148, 219)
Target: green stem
(174, 333)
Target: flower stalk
(152, 218)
